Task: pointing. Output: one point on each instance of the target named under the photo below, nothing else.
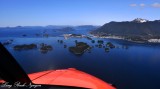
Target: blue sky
(75, 12)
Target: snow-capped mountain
(139, 20)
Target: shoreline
(154, 41)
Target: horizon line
(75, 25)
(47, 25)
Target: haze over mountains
(138, 28)
(52, 30)
(135, 30)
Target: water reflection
(125, 47)
(132, 66)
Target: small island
(45, 47)
(106, 49)
(109, 44)
(76, 35)
(60, 41)
(93, 41)
(65, 46)
(25, 47)
(100, 41)
(80, 48)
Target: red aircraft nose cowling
(69, 77)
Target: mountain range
(138, 29)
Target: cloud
(142, 5)
(138, 5)
(133, 5)
(156, 5)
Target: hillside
(138, 28)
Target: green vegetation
(100, 46)
(76, 35)
(130, 30)
(106, 49)
(25, 46)
(45, 47)
(109, 44)
(100, 41)
(80, 48)
(93, 41)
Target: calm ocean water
(128, 66)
